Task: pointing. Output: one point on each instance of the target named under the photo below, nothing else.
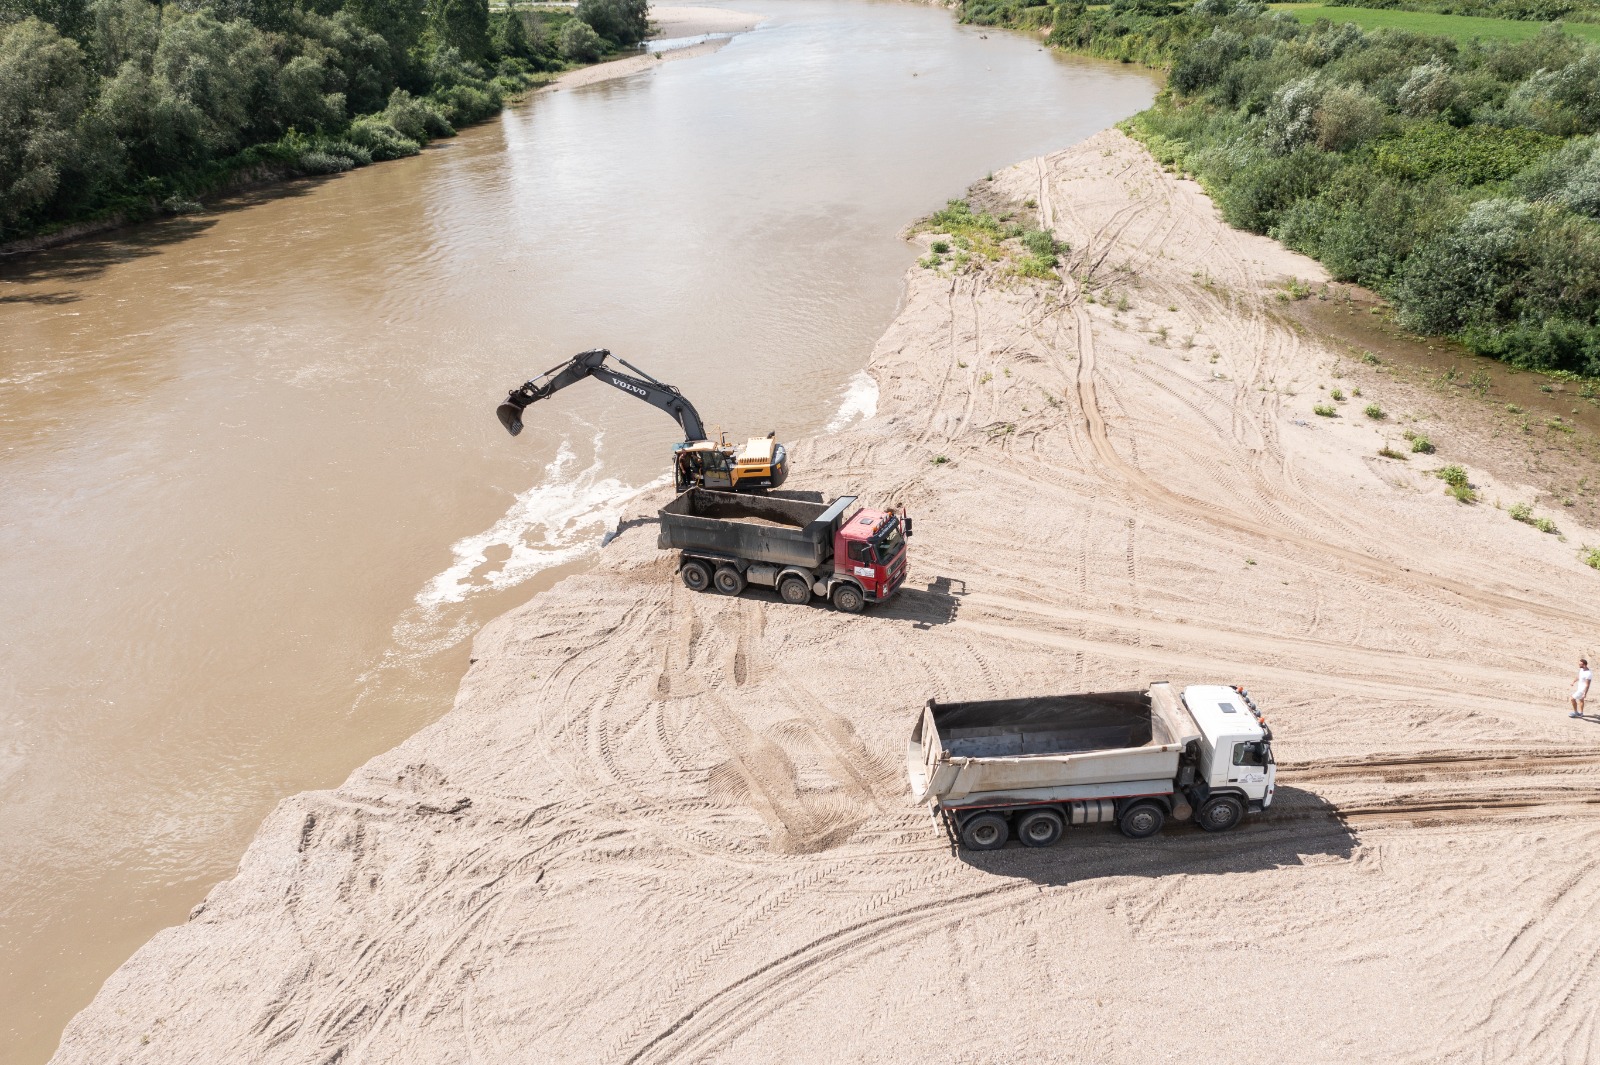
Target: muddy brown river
(253, 498)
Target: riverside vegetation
(127, 108)
(1460, 180)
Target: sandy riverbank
(685, 24)
(665, 826)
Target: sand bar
(661, 826)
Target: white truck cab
(1236, 753)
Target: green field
(1460, 27)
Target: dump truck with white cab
(1029, 768)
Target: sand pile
(661, 826)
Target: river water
(253, 497)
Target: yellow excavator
(698, 462)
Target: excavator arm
(592, 363)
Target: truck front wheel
(1220, 813)
(1039, 829)
(696, 575)
(848, 599)
(1142, 820)
(985, 832)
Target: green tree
(44, 90)
(463, 25)
(579, 42)
(623, 22)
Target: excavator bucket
(510, 416)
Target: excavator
(698, 462)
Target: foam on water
(860, 401)
(562, 517)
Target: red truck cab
(870, 548)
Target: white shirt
(1584, 677)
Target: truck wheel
(697, 575)
(848, 599)
(729, 581)
(796, 590)
(1220, 813)
(1039, 829)
(985, 832)
(1142, 820)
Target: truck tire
(1041, 828)
(1220, 813)
(728, 580)
(985, 832)
(796, 590)
(696, 575)
(847, 599)
(1142, 820)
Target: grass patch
(1324, 410)
(1420, 444)
(1461, 28)
(1591, 557)
(1375, 412)
(1388, 452)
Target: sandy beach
(662, 826)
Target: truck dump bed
(772, 528)
(1060, 746)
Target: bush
(1520, 512)
(579, 42)
(416, 119)
(1324, 410)
(1420, 444)
(1452, 475)
(380, 139)
(1591, 557)
(1375, 412)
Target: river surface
(253, 498)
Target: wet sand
(667, 826)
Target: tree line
(1461, 181)
(133, 107)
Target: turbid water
(253, 498)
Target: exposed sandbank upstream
(666, 826)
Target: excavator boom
(592, 363)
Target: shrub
(939, 247)
(1462, 493)
(416, 119)
(1452, 475)
(1390, 453)
(1324, 410)
(1520, 512)
(1420, 444)
(1338, 395)
(1591, 557)
(1375, 412)
(1544, 525)
(380, 139)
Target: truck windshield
(890, 540)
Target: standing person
(1580, 690)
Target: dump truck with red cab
(849, 555)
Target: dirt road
(661, 826)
